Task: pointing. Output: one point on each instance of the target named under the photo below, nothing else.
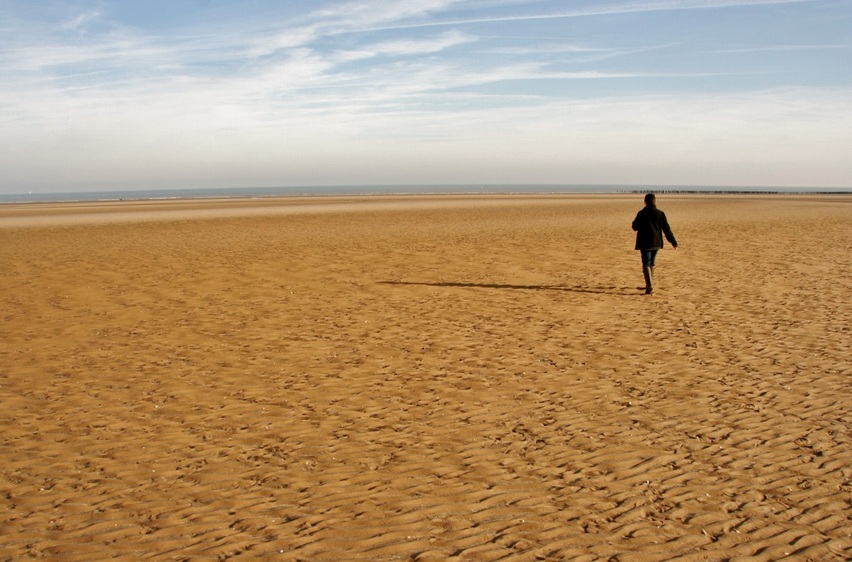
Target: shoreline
(43, 214)
(371, 191)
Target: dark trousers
(649, 257)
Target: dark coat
(650, 225)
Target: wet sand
(426, 378)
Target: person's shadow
(604, 290)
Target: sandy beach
(426, 379)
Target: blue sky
(134, 94)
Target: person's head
(650, 199)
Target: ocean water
(154, 194)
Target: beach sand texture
(426, 378)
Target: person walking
(651, 225)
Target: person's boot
(649, 280)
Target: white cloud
(287, 39)
(79, 22)
(599, 9)
(427, 45)
(792, 137)
(359, 14)
(784, 48)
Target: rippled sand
(425, 378)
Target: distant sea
(255, 192)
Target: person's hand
(674, 247)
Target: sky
(166, 94)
